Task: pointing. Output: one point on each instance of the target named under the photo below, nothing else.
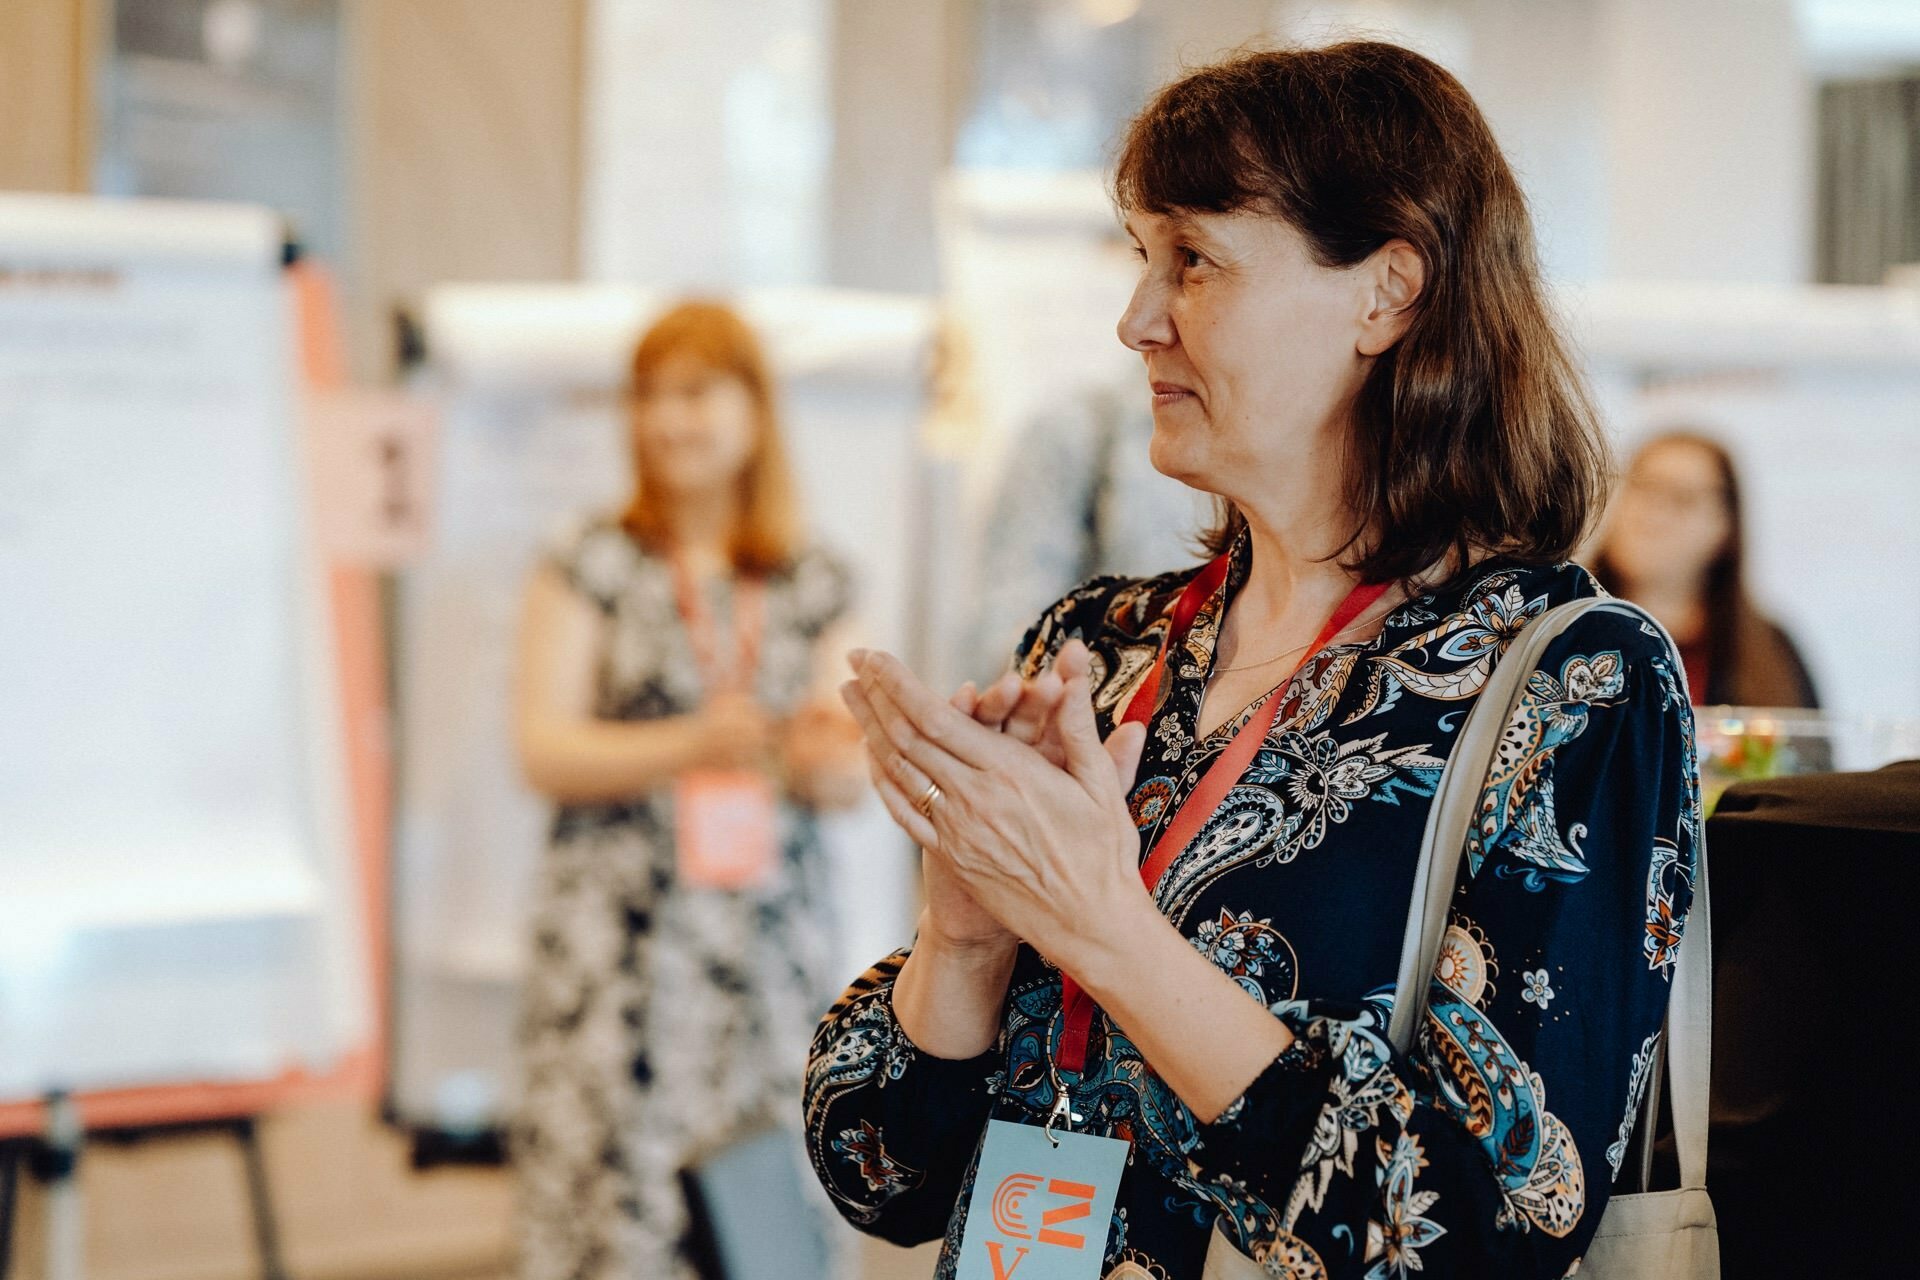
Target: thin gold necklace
(1287, 653)
(1264, 662)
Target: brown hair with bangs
(1474, 433)
(766, 534)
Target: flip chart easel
(192, 819)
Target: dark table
(1814, 1167)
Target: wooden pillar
(465, 146)
(48, 50)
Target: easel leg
(9, 1196)
(59, 1169)
(266, 1232)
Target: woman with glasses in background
(1675, 544)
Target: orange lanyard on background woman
(1219, 778)
(732, 672)
(726, 833)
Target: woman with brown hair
(1675, 542)
(1169, 860)
(674, 673)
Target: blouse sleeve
(891, 1130)
(1492, 1151)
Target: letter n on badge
(1039, 1212)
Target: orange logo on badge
(1009, 1218)
(1082, 1206)
(1001, 1271)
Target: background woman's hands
(1030, 837)
(730, 731)
(822, 756)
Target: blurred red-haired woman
(673, 677)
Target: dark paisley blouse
(1490, 1151)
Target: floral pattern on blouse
(1487, 1151)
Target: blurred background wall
(749, 141)
(465, 159)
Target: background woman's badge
(726, 829)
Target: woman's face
(693, 426)
(1251, 347)
(1670, 519)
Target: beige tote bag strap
(1690, 1034)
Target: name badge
(1040, 1212)
(725, 829)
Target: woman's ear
(1394, 275)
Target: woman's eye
(1139, 253)
(1190, 256)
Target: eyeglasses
(1682, 498)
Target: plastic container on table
(1742, 743)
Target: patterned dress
(1491, 1150)
(660, 1021)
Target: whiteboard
(526, 376)
(177, 904)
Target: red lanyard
(1220, 777)
(702, 637)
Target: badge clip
(1063, 1114)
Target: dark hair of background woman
(1474, 433)
(1749, 662)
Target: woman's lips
(1166, 393)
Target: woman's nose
(1145, 325)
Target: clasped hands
(815, 751)
(1028, 836)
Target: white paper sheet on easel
(169, 827)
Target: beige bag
(1661, 1235)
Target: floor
(349, 1208)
